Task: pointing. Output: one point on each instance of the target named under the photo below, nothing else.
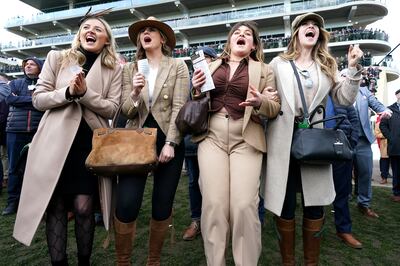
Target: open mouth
(241, 42)
(147, 39)
(310, 34)
(90, 39)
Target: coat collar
(93, 78)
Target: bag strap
(116, 116)
(303, 99)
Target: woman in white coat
(80, 89)
(285, 176)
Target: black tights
(57, 224)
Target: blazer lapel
(254, 79)
(163, 71)
(93, 78)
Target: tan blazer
(56, 132)
(171, 91)
(317, 181)
(260, 76)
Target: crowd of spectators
(269, 42)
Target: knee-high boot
(124, 236)
(286, 231)
(312, 240)
(158, 230)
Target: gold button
(165, 97)
(165, 85)
(165, 108)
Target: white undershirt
(152, 80)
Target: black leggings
(294, 185)
(130, 188)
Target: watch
(170, 143)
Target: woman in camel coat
(76, 102)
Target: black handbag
(192, 118)
(318, 145)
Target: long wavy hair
(257, 54)
(108, 53)
(320, 52)
(141, 53)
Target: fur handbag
(122, 150)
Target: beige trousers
(229, 182)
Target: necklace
(308, 83)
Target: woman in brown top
(230, 153)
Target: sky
(388, 24)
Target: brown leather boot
(158, 230)
(286, 230)
(312, 240)
(124, 236)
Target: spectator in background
(391, 130)
(384, 162)
(4, 92)
(22, 123)
(363, 152)
(192, 167)
(342, 172)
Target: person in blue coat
(342, 172)
(22, 122)
(4, 92)
(363, 152)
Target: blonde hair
(320, 52)
(257, 54)
(108, 53)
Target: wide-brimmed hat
(308, 16)
(135, 28)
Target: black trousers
(130, 188)
(293, 186)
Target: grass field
(380, 238)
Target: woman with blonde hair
(230, 152)
(308, 49)
(79, 89)
(152, 101)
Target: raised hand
(77, 85)
(354, 55)
(198, 80)
(138, 83)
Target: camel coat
(317, 180)
(260, 76)
(56, 132)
